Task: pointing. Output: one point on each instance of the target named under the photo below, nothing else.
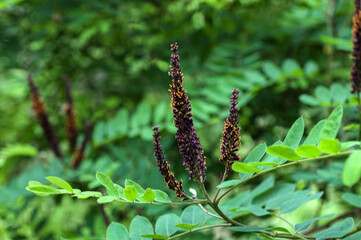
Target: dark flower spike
(40, 112)
(356, 53)
(231, 140)
(78, 154)
(71, 126)
(164, 166)
(188, 141)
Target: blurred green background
(116, 54)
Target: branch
(282, 166)
(327, 225)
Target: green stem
(282, 166)
(223, 178)
(200, 229)
(359, 111)
(166, 204)
(286, 221)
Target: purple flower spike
(356, 53)
(188, 141)
(164, 166)
(231, 140)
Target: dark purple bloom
(41, 113)
(231, 140)
(188, 141)
(164, 166)
(356, 53)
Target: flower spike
(43, 119)
(356, 52)
(164, 166)
(231, 140)
(188, 141)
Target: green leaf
(193, 215)
(122, 120)
(43, 189)
(248, 229)
(271, 70)
(130, 193)
(311, 68)
(140, 190)
(353, 199)
(309, 100)
(263, 186)
(355, 236)
(350, 144)
(330, 145)
(34, 183)
(187, 226)
(87, 194)
(254, 156)
(105, 199)
(314, 136)
(160, 112)
(165, 224)
(117, 231)
(283, 152)
(253, 209)
(228, 183)
(339, 93)
(161, 196)
(308, 151)
(244, 168)
(154, 236)
(333, 124)
(295, 134)
(323, 94)
(296, 201)
(303, 226)
(60, 183)
(336, 231)
(352, 170)
(98, 133)
(263, 164)
(108, 184)
(140, 226)
(120, 190)
(148, 195)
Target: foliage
(291, 60)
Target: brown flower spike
(40, 111)
(164, 166)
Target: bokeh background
(288, 57)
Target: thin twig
(208, 212)
(347, 214)
(200, 229)
(104, 214)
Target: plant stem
(282, 166)
(223, 178)
(286, 221)
(359, 112)
(208, 212)
(200, 229)
(104, 214)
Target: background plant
(274, 58)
